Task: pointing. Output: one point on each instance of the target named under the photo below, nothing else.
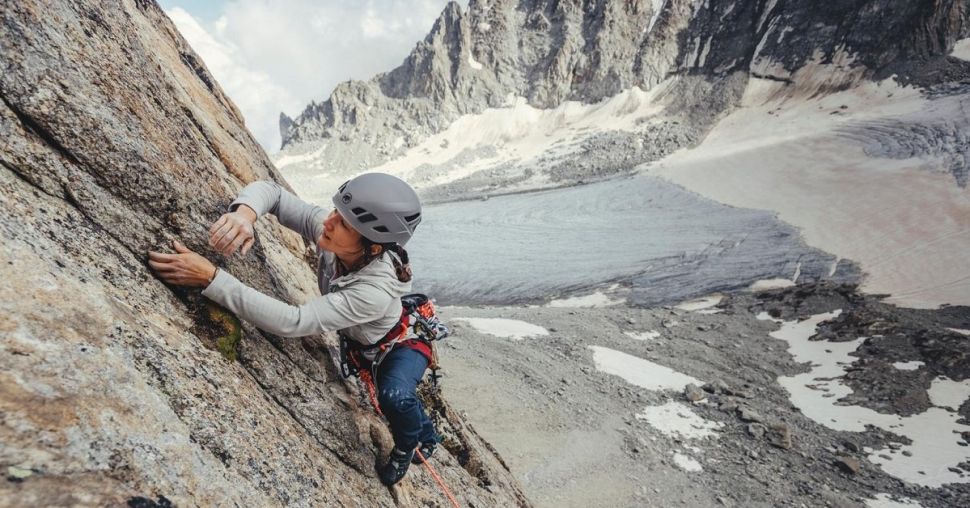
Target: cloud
(280, 55)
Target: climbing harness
(419, 322)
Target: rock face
(554, 51)
(114, 388)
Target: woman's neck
(349, 262)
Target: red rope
(368, 381)
(437, 478)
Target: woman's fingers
(184, 269)
(247, 245)
(162, 257)
(181, 249)
(162, 267)
(218, 224)
(219, 238)
(236, 243)
(229, 233)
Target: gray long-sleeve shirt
(364, 304)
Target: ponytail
(402, 265)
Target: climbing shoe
(396, 467)
(427, 450)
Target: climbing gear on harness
(425, 451)
(396, 467)
(419, 322)
(381, 207)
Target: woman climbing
(362, 272)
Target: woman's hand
(185, 268)
(233, 230)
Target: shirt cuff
(235, 204)
(219, 286)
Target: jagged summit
(549, 52)
(695, 58)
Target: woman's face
(338, 237)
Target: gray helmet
(381, 207)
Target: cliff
(114, 388)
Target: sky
(275, 56)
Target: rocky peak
(552, 51)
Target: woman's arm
(269, 197)
(355, 304)
(352, 305)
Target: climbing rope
(368, 380)
(437, 478)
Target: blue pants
(397, 381)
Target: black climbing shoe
(427, 450)
(396, 467)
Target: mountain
(695, 59)
(115, 388)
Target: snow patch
(779, 283)
(500, 327)
(640, 372)
(677, 420)
(686, 463)
(658, 6)
(596, 299)
(961, 331)
(286, 160)
(650, 335)
(883, 500)
(710, 311)
(947, 393)
(934, 446)
(520, 133)
(700, 303)
(474, 63)
(767, 284)
(961, 49)
(913, 365)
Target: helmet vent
(367, 217)
(412, 218)
(358, 210)
(342, 187)
(381, 229)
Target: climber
(362, 271)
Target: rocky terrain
(580, 429)
(116, 389)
